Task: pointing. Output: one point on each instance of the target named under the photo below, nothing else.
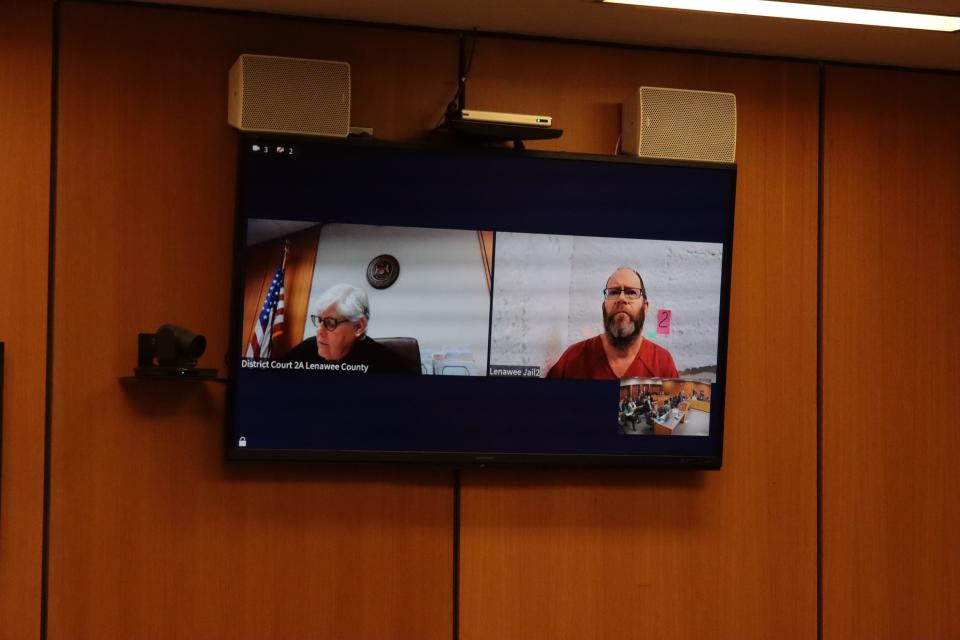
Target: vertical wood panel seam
(821, 108)
(51, 273)
(456, 555)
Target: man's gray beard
(622, 336)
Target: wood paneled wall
(25, 63)
(606, 554)
(153, 536)
(891, 499)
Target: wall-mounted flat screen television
(484, 306)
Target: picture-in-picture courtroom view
(461, 305)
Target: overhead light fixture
(800, 11)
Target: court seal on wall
(383, 271)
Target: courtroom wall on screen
(440, 296)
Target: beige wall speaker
(679, 124)
(270, 94)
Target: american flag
(269, 324)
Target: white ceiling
(589, 20)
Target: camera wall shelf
(174, 373)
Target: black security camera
(172, 351)
(178, 347)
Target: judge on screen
(341, 315)
(620, 351)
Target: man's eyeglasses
(329, 323)
(630, 293)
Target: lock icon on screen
(242, 442)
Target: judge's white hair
(349, 302)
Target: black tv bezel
(473, 459)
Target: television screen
(483, 306)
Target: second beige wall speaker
(271, 94)
(680, 124)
